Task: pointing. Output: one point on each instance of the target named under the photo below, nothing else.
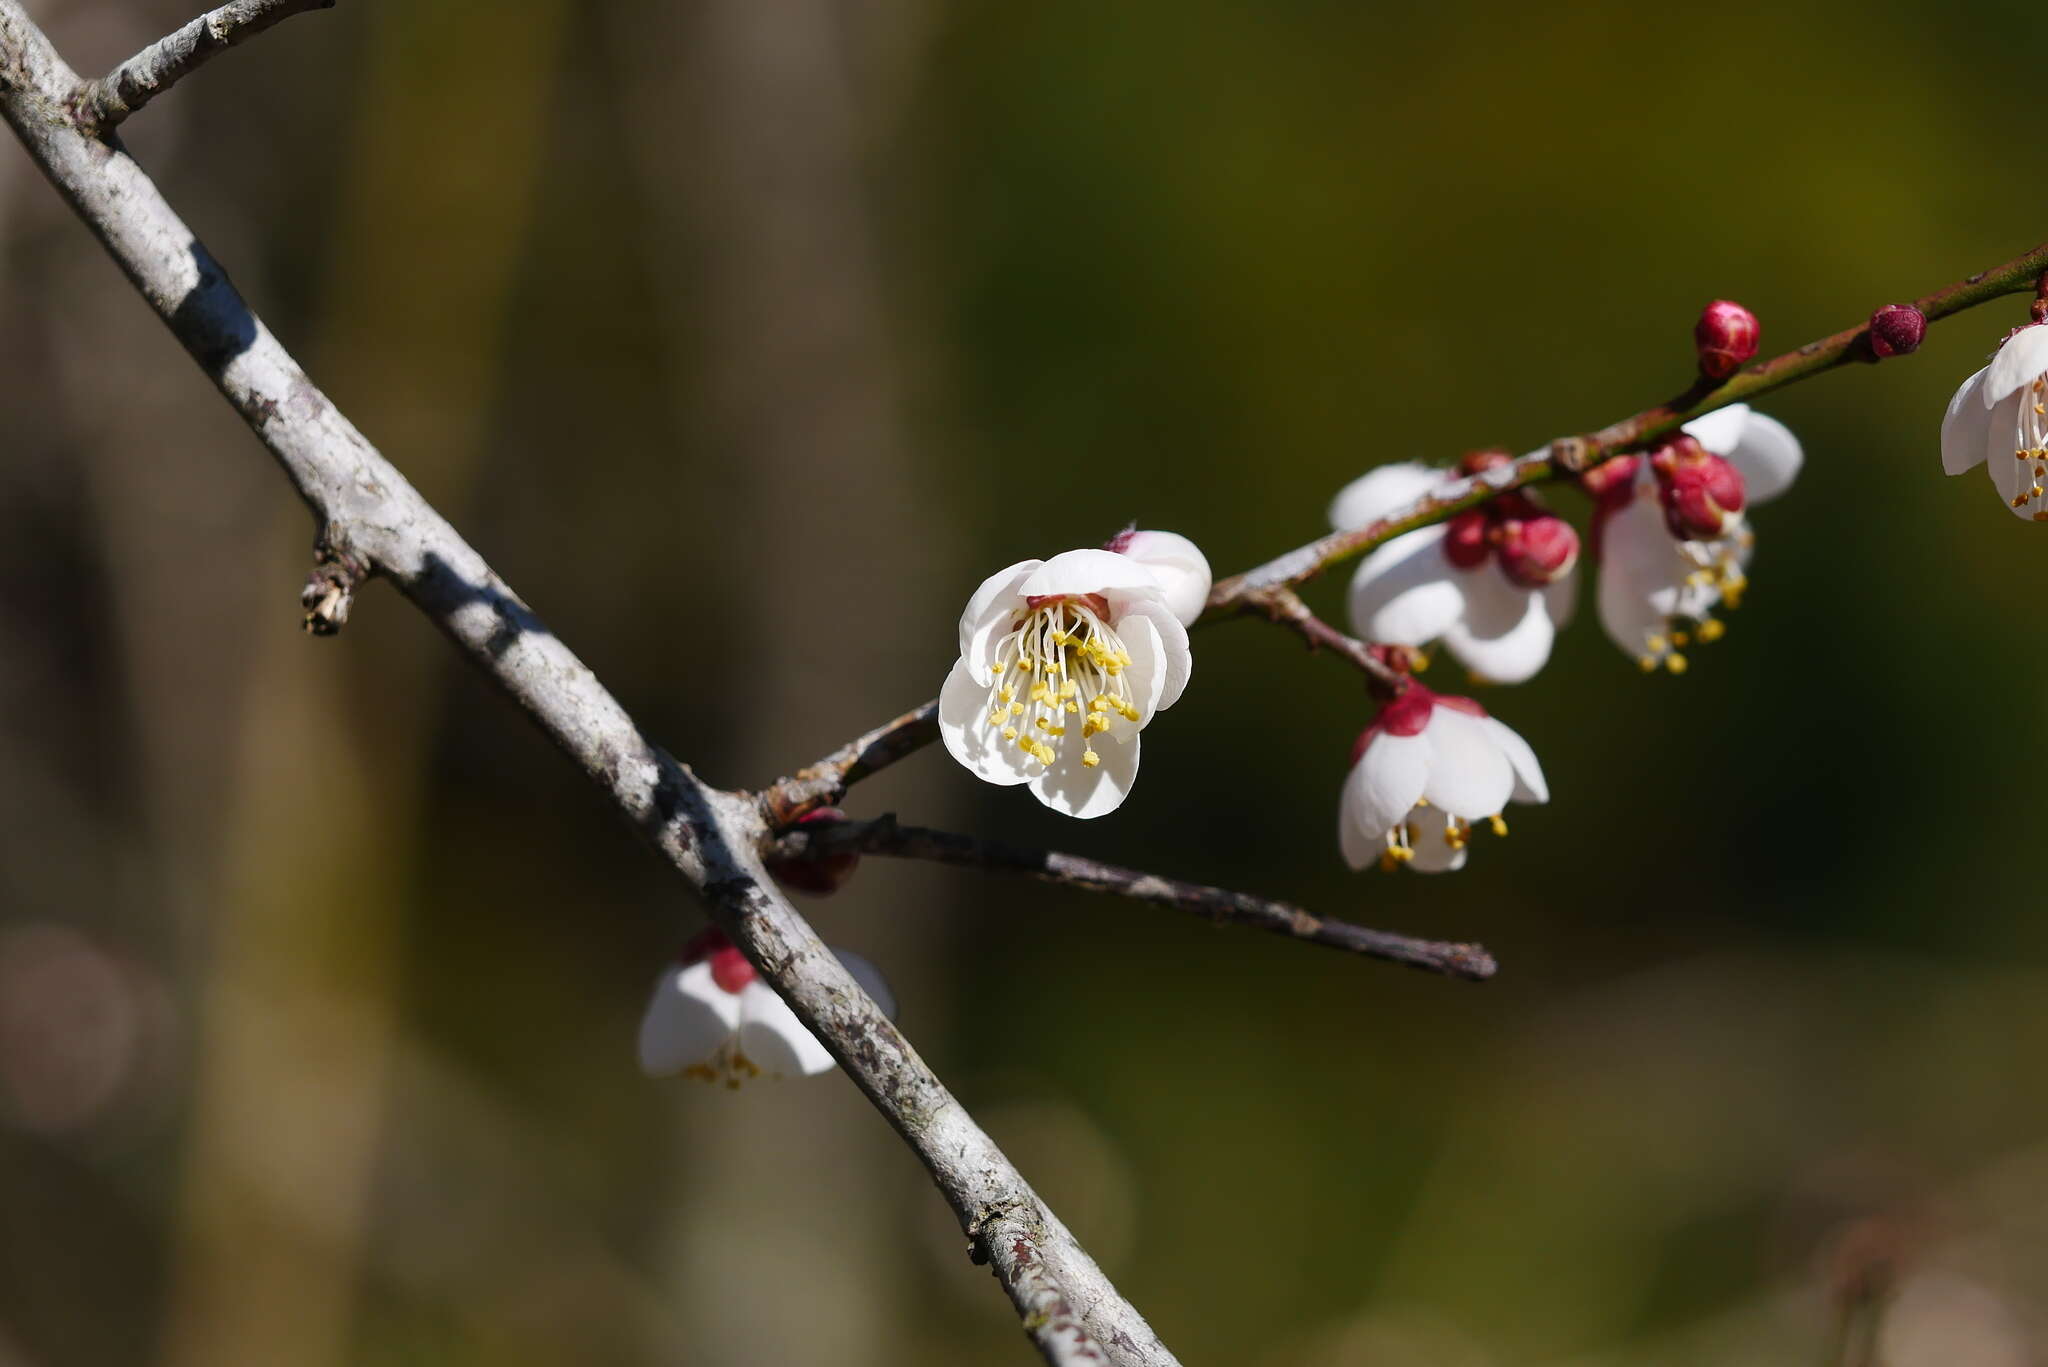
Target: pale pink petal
(963, 726)
(1506, 633)
(992, 605)
(1180, 567)
(1160, 659)
(1405, 592)
(1086, 571)
(2018, 363)
(1387, 780)
(1468, 774)
(1529, 784)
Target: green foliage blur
(744, 339)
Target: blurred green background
(744, 339)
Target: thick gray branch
(373, 522)
(1221, 905)
(155, 69)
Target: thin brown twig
(824, 783)
(884, 836)
(1283, 605)
(104, 103)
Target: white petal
(1507, 632)
(1561, 600)
(1768, 458)
(1386, 781)
(870, 979)
(1643, 576)
(993, 603)
(1360, 844)
(1469, 776)
(1966, 427)
(1433, 853)
(774, 1040)
(1384, 490)
(1404, 593)
(2019, 362)
(1529, 784)
(1180, 567)
(1086, 571)
(1161, 661)
(1721, 430)
(963, 726)
(1069, 786)
(688, 1020)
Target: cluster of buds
(1700, 492)
(1532, 545)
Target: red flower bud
(1896, 329)
(823, 875)
(1538, 551)
(1702, 494)
(1465, 543)
(1611, 480)
(1726, 337)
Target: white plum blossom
(1999, 418)
(1055, 654)
(1671, 531)
(1426, 769)
(1493, 584)
(712, 1018)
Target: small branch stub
(330, 589)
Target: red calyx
(1121, 542)
(729, 968)
(823, 875)
(1896, 329)
(1537, 551)
(1466, 543)
(1726, 338)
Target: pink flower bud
(823, 875)
(729, 968)
(1726, 337)
(1896, 329)
(1465, 540)
(1701, 493)
(1538, 551)
(1611, 479)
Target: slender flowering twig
(374, 523)
(1283, 605)
(885, 837)
(104, 103)
(824, 783)
(1252, 592)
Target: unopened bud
(1465, 540)
(820, 876)
(729, 968)
(1701, 493)
(1176, 562)
(1538, 551)
(1726, 337)
(1610, 480)
(1896, 329)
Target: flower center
(1717, 577)
(1061, 669)
(2030, 446)
(727, 1065)
(1457, 834)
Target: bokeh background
(744, 339)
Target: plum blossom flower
(2000, 418)
(712, 1018)
(1671, 531)
(1494, 584)
(1426, 769)
(1053, 655)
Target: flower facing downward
(1493, 584)
(2000, 418)
(1062, 663)
(1424, 771)
(712, 1018)
(1671, 532)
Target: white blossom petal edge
(1999, 418)
(1053, 654)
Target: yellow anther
(1711, 630)
(1039, 692)
(1657, 644)
(1422, 802)
(1499, 824)
(1679, 638)
(1675, 662)
(1648, 662)
(1090, 759)
(1016, 709)
(2041, 515)
(1093, 724)
(997, 715)
(1009, 733)
(1069, 689)
(996, 668)
(1028, 665)
(1073, 707)
(1007, 694)
(1130, 713)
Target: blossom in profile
(712, 1018)
(1062, 663)
(1176, 562)
(1493, 585)
(1999, 418)
(1425, 770)
(1671, 531)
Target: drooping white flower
(1427, 768)
(2000, 418)
(1672, 533)
(1494, 584)
(712, 1018)
(1054, 654)
(1176, 562)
